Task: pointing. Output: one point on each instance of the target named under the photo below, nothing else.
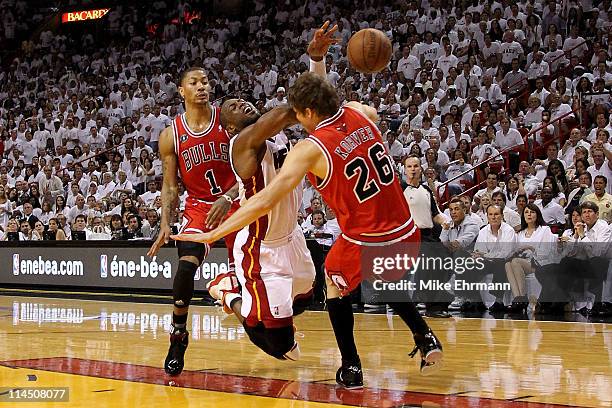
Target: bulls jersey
(281, 221)
(360, 186)
(203, 158)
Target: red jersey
(203, 158)
(361, 186)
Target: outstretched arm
(251, 140)
(318, 47)
(304, 157)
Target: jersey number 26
(367, 185)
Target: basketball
(369, 50)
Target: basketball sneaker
(431, 352)
(350, 376)
(175, 360)
(221, 286)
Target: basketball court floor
(110, 354)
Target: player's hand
(205, 237)
(322, 39)
(162, 238)
(217, 212)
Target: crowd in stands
(505, 103)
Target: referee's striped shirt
(423, 206)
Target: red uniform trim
(328, 158)
(211, 125)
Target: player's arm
(369, 111)
(269, 124)
(221, 206)
(251, 141)
(169, 193)
(304, 157)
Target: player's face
(238, 114)
(195, 88)
(307, 118)
(413, 168)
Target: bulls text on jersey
(204, 152)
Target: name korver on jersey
(204, 152)
(354, 140)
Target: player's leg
(343, 257)
(265, 275)
(425, 340)
(304, 273)
(191, 256)
(226, 288)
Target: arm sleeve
(468, 235)
(318, 67)
(433, 204)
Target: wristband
(228, 198)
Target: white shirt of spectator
(149, 197)
(408, 66)
(495, 247)
(510, 50)
(552, 213)
(504, 140)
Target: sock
(408, 312)
(179, 321)
(231, 298)
(341, 316)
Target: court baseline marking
(265, 387)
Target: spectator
(55, 233)
(495, 243)
(601, 198)
(552, 212)
(151, 229)
(79, 228)
(533, 247)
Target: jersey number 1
(214, 188)
(367, 187)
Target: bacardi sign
(83, 15)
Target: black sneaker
(605, 309)
(175, 360)
(431, 352)
(497, 307)
(350, 376)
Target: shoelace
(413, 352)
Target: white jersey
(281, 221)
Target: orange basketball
(369, 50)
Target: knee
(182, 288)
(300, 303)
(277, 342)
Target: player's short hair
(187, 71)
(314, 92)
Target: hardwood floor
(110, 354)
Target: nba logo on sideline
(15, 264)
(103, 266)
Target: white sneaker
(221, 286)
(457, 303)
(421, 306)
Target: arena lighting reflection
(202, 325)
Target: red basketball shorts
(346, 259)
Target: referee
(421, 200)
(426, 216)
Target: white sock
(294, 353)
